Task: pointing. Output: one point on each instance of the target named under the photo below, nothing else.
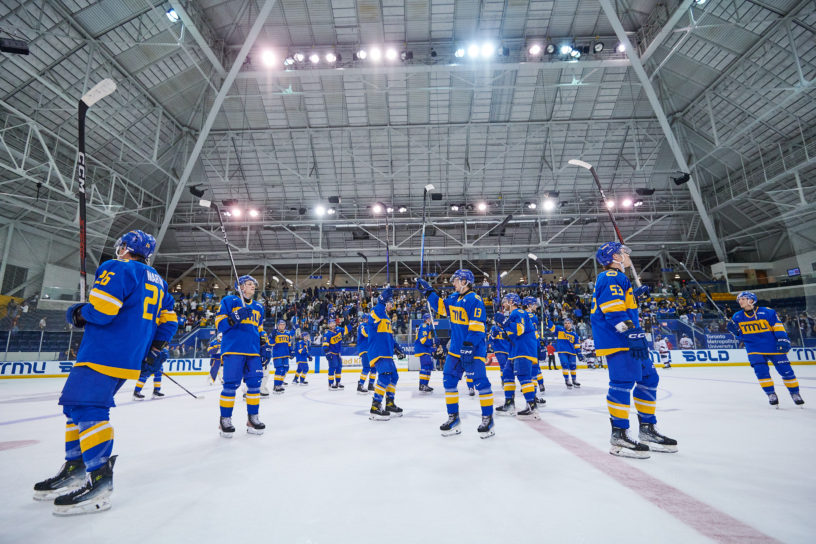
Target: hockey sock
(424, 376)
(253, 399)
(572, 374)
(565, 373)
(227, 401)
(139, 385)
(72, 449)
(788, 377)
(617, 401)
(96, 441)
(509, 389)
(528, 389)
(452, 399)
(379, 392)
(763, 374)
(390, 391)
(469, 380)
(157, 382)
(486, 401)
(331, 377)
(362, 379)
(644, 398)
(792, 384)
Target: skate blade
(226, 434)
(99, 505)
(374, 417)
(395, 414)
(660, 447)
(277, 393)
(362, 393)
(137, 399)
(54, 493)
(506, 414)
(620, 451)
(452, 432)
(530, 417)
(487, 434)
(252, 430)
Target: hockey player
(467, 352)
(424, 344)
(151, 366)
(619, 337)
(501, 349)
(282, 349)
(588, 349)
(381, 349)
(685, 342)
(362, 352)
(765, 339)
(240, 320)
(129, 312)
(332, 344)
(568, 349)
(531, 308)
(214, 351)
(521, 333)
(302, 357)
(662, 347)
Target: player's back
(521, 330)
(137, 295)
(381, 335)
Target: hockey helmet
(136, 242)
(426, 316)
(606, 251)
(463, 274)
(749, 295)
(280, 322)
(529, 301)
(386, 295)
(512, 298)
(567, 320)
(243, 279)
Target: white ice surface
(324, 473)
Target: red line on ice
(16, 444)
(698, 515)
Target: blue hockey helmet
(243, 279)
(136, 242)
(386, 295)
(528, 301)
(331, 321)
(606, 251)
(304, 334)
(281, 322)
(567, 320)
(426, 316)
(363, 316)
(465, 275)
(749, 295)
(512, 298)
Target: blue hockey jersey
(565, 341)
(381, 335)
(128, 308)
(333, 340)
(498, 339)
(282, 346)
(423, 340)
(302, 351)
(243, 338)
(214, 349)
(467, 319)
(362, 338)
(522, 335)
(613, 302)
(760, 330)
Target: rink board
(200, 366)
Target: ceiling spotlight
(626, 203)
(482, 206)
(638, 203)
(620, 48)
(391, 54)
(331, 211)
(473, 51)
(575, 54)
(288, 61)
(299, 57)
(406, 55)
(402, 209)
(645, 191)
(389, 209)
(227, 214)
(532, 256)
(331, 58)
(566, 49)
(682, 179)
(362, 54)
(172, 15)
(267, 58)
(550, 49)
(598, 47)
(236, 212)
(548, 205)
(503, 274)
(429, 187)
(253, 213)
(610, 204)
(320, 210)
(530, 205)
(699, 2)
(376, 54)
(454, 208)
(488, 49)
(377, 208)
(314, 58)
(459, 53)
(535, 49)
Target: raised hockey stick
(427, 188)
(197, 397)
(582, 164)
(210, 204)
(97, 93)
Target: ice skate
(507, 409)
(226, 427)
(94, 496)
(576, 384)
(529, 413)
(70, 476)
(254, 425)
(137, 395)
(797, 399)
(332, 387)
(303, 382)
(361, 390)
(773, 400)
(623, 446)
(392, 408)
(371, 386)
(649, 436)
(425, 389)
(278, 390)
(158, 395)
(541, 400)
(264, 394)
(451, 426)
(377, 413)
(569, 385)
(486, 428)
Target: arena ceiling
(720, 89)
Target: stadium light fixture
(598, 47)
(532, 256)
(391, 54)
(331, 58)
(621, 48)
(565, 49)
(548, 205)
(300, 57)
(172, 15)
(473, 51)
(482, 206)
(236, 212)
(637, 203)
(314, 58)
(375, 54)
(253, 212)
(575, 54)
(362, 54)
(454, 207)
(550, 49)
(627, 203)
(610, 204)
(331, 211)
(459, 53)
(267, 58)
(487, 50)
(377, 208)
(402, 209)
(320, 210)
(429, 187)
(288, 61)
(530, 205)
(389, 209)
(534, 50)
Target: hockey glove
(580, 357)
(734, 329)
(500, 319)
(154, 360)
(466, 354)
(783, 345)
(425, 288)
(245, 312)
(310, 358)
(266, 352)
(638, 347)
(74, 315)
(642, 292)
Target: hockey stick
(540, 290)
(97, 93)
(427, 188)
(210, 204)
(197, 397)
(582, 164)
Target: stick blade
(582, 164)
(99, 91)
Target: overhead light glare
(610, 204)
(459, 53)
(620, 48)
(626, 203)
(288, 61)
(488, 49)
(566, 49)
(535, 49)
(549, 205)
(550, 49)
(389, 209)
(236, 212)
(473, 51)
(172, 15)
(331, 211)
(402, 209)
(377, 208)
(391, 54)
(637, 203)
(267, 58)
(532, 256)
(375, 54)
(598, 47)
(454, 208)
(575, 54)
(482, 206)
(314, 58)
(320, 210)
(331, 58)
(531, 205)
(253, 213)
(299, 57)
(362, 54)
